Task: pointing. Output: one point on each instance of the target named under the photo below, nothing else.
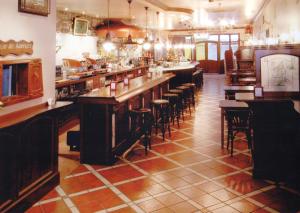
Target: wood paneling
(28, 156)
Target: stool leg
(156, 120)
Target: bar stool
(162, 116)
(174, 108)
(180, 100)
(186, 97)
(144, 117)
(192, 87)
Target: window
(20, 80)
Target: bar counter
(122, 92)
(184, 73)
(104, 117)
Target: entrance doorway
(210, 53)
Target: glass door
(212, 57)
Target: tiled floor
(189, 172)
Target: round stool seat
(183, 87)
(160, 101)
(170, 95)
(144, 110)
(189, 84)
(176, 91)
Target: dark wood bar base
(105, 123)
(28, 156)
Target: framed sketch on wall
(38, 7)
(81, 27)
(280, 73)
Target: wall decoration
(81, 26)
(38, 7)
(65, 21)
(280, 73)
(16, 47)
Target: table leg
(222, 127)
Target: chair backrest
(239, 118)
(228, 60)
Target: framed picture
(81, 26)
(38, 7)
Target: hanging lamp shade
(146, 44)
(108, 45)
(158, 44)
(129, 38)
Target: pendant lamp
(108, 45)
(146, 44)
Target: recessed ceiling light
(66, 9)
(83, 12)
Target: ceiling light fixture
(146, 44)
(129, 38)
(108, 45)
(158, 44)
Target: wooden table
(244, 96)
(249, 97)
(231, 90)
(248, 80)
(228, 105)
(104, 121)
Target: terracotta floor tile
(52, 194)
(156, 165)
(185, 207)
(209, 187)
(151, 205)
(225, 209)
(97, 200)
(163, 210)
(139, 154)
(80, 183)
(35, 209)
(192, 192)
(187, 157)
(223, 195)
(120, 173)
(138, 189)
(79, 169)
(180, 172)
(176, 183)
(243, 183)
(55, 207)
(240, 160)
(167, 148)
(244, 206)
(124, 210)
(177, 136)
(206, 200)
(193, 178)
(169, 199)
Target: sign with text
(13, 47)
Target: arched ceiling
(174, 14)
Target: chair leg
(231, 151)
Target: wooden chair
(238, 121)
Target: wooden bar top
(239, 88)
(122, 92)
(25, 114)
